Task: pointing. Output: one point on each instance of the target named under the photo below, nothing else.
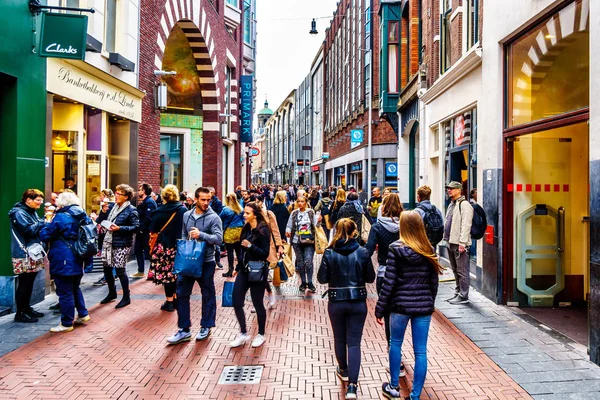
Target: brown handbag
(153, 237)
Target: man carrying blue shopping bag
(201, 224)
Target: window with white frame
(446, 43)
(110, 26)
(472, 10)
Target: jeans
(257, 293)
(420, 333)
(347, 321)
(460, 264)
(69, 298)
(386, 316)
(142, 250)
(24, 290)
(209, 298)
(231, 248)
(304, 261)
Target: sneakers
(342, 373)
(312, 288)
(272, 300)
(82, 320)
(168, 306)
(241, 340)
(219, 266)
(61, 328)
(459, 300)
(452, 298)
(392, 393)
(180, 337)
(303, 286)
(258, 341)
(351, 391)
(100, 282)
(203, 334)
(23, 317)
(137, 275)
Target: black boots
(125, 301)
(24, 317)
(112, 295)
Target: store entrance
(550, 229)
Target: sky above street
(285, 49)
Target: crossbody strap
(168, 222)
(18, 241)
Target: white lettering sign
(55, 48)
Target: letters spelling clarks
(55, 48)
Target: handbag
(35, 251)
(257, 271)
(321, 240)
(365, 229)
(189, 258)
(227, 300)
(153, 238)
(306, 239)
(288, 263)
(283, 276)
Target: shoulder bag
(35, 251)
(154, 236)
(306, 239)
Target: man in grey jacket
(457, 234)
(202, 224)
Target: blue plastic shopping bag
(189, 258)
(227, 294)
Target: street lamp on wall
(160, 91)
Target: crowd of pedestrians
(254, 228)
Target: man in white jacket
(457, 234)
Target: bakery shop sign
(63, 36)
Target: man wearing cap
(457, 234)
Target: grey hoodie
(211, 230)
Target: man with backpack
(432, 216)
(457, 234)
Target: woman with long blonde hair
(340, 200)
(346, 267)
(408, 293)
(232, 217)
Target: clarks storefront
(92, 134)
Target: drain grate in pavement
(241, 375)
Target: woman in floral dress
(167, 224)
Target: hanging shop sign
(246, 99)
(63, 36)
(356, 137)
(325, 156)
(391, 170)
(65, 79)
(254, 151)
(459, 130)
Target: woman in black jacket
(256, 244)
(347, 267)
(281, 212)
(124, 222)
(167, 221)
(408, 293)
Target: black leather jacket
(347, 268)
(128, 221)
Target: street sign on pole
(254, 151)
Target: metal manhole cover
(241, 375)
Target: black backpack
(86, 244)
(434, 224)
(479, 223)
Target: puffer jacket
(60, 234)
(410, 284)
(27, 225)
(128, 222)
(346, 267)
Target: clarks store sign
(67, 80)
(63, 36)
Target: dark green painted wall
(22, 114)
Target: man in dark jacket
(352, 209)
(145, 207)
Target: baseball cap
(454, 185)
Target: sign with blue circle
(357, 135)
(391, 170)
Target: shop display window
(64, 160)
(171, 160)
(548, 67)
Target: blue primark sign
(246, 99)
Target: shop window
(64, 160)
(171, 160)
(110, 26)
(446, 42)
(119, 151)
(548, 67)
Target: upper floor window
(446, 43)
(233, 3)
(393, 57)
(472, 22)
(247, 22)
(110, 26)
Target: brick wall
(431, 29)
(151, 13)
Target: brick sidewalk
(122, 354)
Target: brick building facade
(214, 33)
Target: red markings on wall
(538, 187)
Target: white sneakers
(244, 338)
(272, 301)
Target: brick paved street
(122, 354)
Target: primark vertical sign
(246, 99)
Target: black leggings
(386, 316)
(24, 290)
(110, 280)
(231, 248)
(257, 292)
(170, 288)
